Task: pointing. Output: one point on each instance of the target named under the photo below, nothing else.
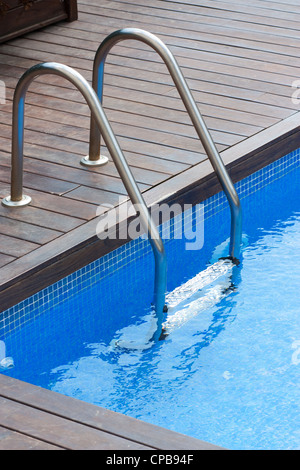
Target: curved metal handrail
(153, 41)
(17, 198)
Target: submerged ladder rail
(17, 198)
(95, 157)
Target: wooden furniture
(18, 17)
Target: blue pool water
(230, 375)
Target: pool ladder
(100, 125)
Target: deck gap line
(260, 10)
(68, 418)
(186, 47)
(40, 439)
(37, 38)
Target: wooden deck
(240, 61)
(33, 418)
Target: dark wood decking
(240, 61)
(34, 418)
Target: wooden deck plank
(45, 47)
(206, 38)
(59, 223)
(5, 259)
(156, 122)
(26, 231)
(58, 430)
(153, 114)
(59, 104)
(230, 50)
(235, 9)
(12, 440)
(44, 183)
(191, 21)
(16, 247)
(134, 158)
(126, 64)
(55, 204)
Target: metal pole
(17, 198)
(192, 109)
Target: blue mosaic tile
(27, 310)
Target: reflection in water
(187, 301)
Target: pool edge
(72, 251)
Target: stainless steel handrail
(17, 198)
(94, 156)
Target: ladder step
(198, 282)
(198, 294)
(185, 302)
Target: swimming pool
(230, 374)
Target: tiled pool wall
(25, 311)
